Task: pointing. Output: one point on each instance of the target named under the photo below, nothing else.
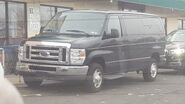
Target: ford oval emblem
(44, 53)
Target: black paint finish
(130, 52)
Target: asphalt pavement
(169, 88)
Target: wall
(87, 4)
(172, 24)
(33, 9)
(172, 16)
(33, 19)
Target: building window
(2, 24)
(48, 11)
(131, 7)
(181, 24)
(16, 25)
(130, 10)
(13, 28)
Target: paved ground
(169, 88)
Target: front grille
(27, 52)
(46, 54)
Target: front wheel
(32, 82)
(95, 77)
(151, 70)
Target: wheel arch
(156, 56)
(99, 60)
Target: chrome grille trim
(36, 50)
(35, 43)
(55, 51)
(52, 57)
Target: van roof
(111, 12)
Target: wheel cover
(97, 78)
(153, 70)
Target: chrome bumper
(60, 70)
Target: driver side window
(113, 23)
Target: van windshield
(178, 36)
(74, 23)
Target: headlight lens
(77, 56)
(20, 52)
(178, 51)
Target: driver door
(111, 45)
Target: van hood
(78, 41)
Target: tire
(32, 82)
(181, 70)
(94, 78)
(150, 71)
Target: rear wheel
(151, 70)
(95, 78)
(31, 81)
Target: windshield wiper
(79, 31)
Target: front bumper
(175, 63)
(53, 72)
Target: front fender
(96, 54)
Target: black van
(91, 46)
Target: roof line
(111, 12)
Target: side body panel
(110, 48)
(143, 35)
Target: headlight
(77, 56)
(178, 51)
(20, 52)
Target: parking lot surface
(169, 88)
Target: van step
(114, 76)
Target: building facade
(171, 11)
(21, 19)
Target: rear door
(143, 38)
(154, 35)
(153, 28)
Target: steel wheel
(97, 78)
(150, 71)
(94, 77)
(153, 70)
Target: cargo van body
(93, 45)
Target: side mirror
(114, 33)
(41, 29)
